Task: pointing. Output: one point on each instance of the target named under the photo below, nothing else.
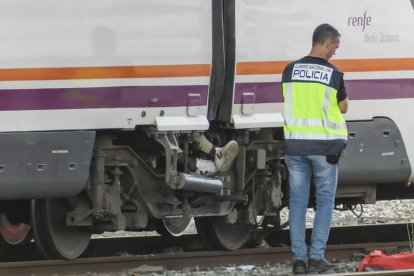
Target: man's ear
(328, 43)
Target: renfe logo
(362, 21)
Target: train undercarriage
(139, 181)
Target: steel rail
(204, 259)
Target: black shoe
(321, 265)
(299, 267)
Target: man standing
(315, 135)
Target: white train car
(99, 100)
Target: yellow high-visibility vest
(311, 110)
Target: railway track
(179, 260)
(185, 252)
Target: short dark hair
(324, 32)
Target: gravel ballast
(394, 211)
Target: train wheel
(54, 239)
(216, 234)
(173, 226)
(13, 233)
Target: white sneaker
(205, 167)
(225, 156)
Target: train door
(257, 96)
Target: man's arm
(343, 105)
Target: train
(99, 99)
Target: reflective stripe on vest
(316, 128)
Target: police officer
(315, 135)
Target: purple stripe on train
(170, 96)
(102, 97)
(270, 92)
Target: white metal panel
(258, 120)
(48, 33)
(102, 118)
(282, 30)
(181, 123)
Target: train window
(72, 166)
(2, 168)
(41, 167)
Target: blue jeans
(325, 176)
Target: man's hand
(343, 105)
